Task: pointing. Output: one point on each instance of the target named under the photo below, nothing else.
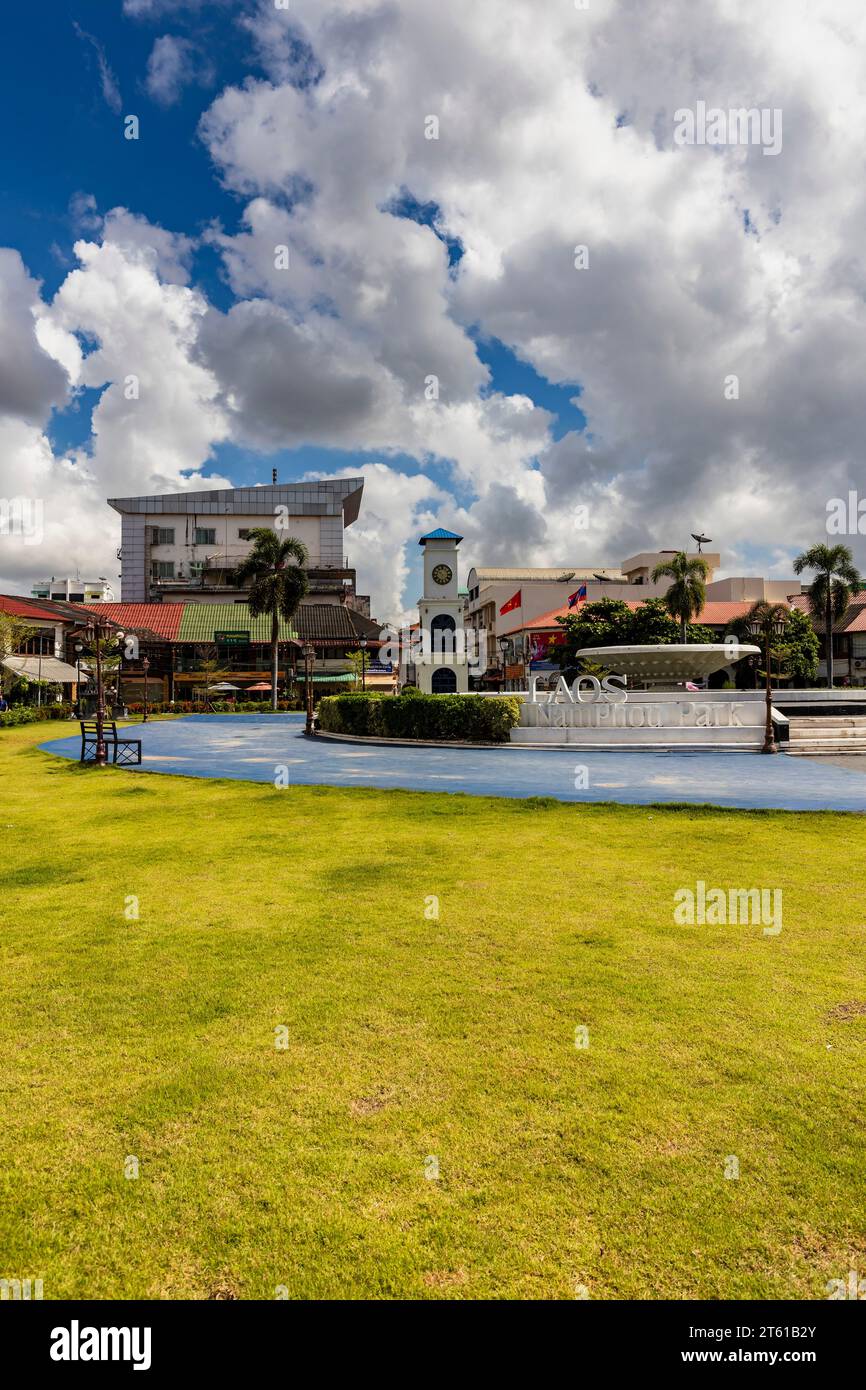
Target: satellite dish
(701, 540)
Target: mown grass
(411, 1039)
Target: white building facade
(183, 546)
(74, 590)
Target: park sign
(602, 714)
(235, 637)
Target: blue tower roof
(440, 535)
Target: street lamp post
(768, 631)
(504, 644)
(363, 663)
(309, 653)
(96, 633)
(79, 648)
(145, 666)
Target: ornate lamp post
(309, 653)
(79, 648)
(504, 644)
(768, 630)
(145, 666)
(363, 663)
(96, 633)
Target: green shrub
(440, 718)
(19, 714)
(33, 714)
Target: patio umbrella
(224, 685)
(262, 685)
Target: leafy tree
(799, 649)
(13, 635)
(836, 582)
(360, 662)
(611, 623)
(687, 595)
(211, 668)
(274, 570)
(795, 654)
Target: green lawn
(412, 1039)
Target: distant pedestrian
(4, 703)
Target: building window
(243, 533)
(444, 681)
(163, 569)
(442, 639)
(42, 643)
(163, 535)
(205, 535)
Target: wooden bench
(126, 752)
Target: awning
(46, 668)
(344, 678)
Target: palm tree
(687, 594)
(836, 581)
(278, 582)
(212, 669)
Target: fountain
(607, 714)
(677, 662)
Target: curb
(575, 748)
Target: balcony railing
(224, 562)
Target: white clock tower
(441, 666)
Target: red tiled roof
(162, 619)
(547, 621)
(854, 619)
(716, 613)
(719, 611)
(28, 608)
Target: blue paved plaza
(252, 747)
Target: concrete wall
(652, 720)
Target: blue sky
(555, 131)
(66, 144)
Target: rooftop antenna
(701, 540)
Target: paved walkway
(252, 748)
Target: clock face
(442, 574)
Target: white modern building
(502, 600)
(185, 546)
(75, 590)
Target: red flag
(514, 602)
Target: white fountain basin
(678, 661)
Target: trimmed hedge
(442, 718)
(33, 714)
